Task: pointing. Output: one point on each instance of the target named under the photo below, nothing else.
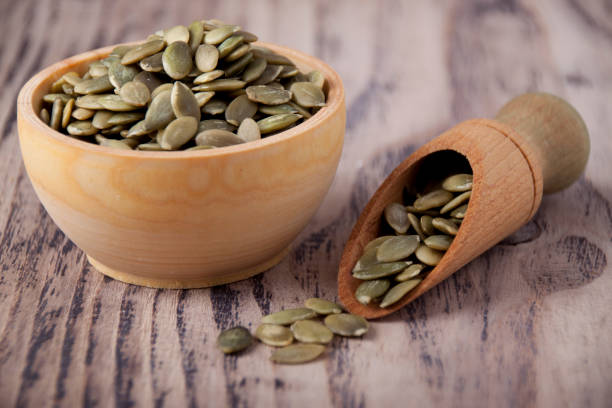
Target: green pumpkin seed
(56, 113)
(372, 289)
(434, 199)
(238, 66)
(203, 97)
(81, 128)
(148, 79)
(416, 224)
(153, 63)
(100, 119)
(288, 316)
(206, 58)
(306, 114)
(176, 60)
(115, 144)
(316, 78)
(254, 70)
(367, 259)
(234, 340)
(178, 132)
(271, 56)
(414, 210)
(277, 109)
(119, 74)
(214, 107)
(277, 122)
(217, 138)
(267, 95)
(220, 85)
(208, 76)
(456, 202)
(160, 111)
(184, 102)
(200, 148)
(97, 69)
(427, 255)
(459, 212)
(458, 183)
(376, 242)
(44, 116)
(150, 147)
(125, 118)
(297, 353)
(274, 335)
(248, 37)
(89, 102)
(399, 291)
(141, 51)
(176, 33)
(410, 272)
(381, 270)
(307, 94)
(269, 74)
(345, 324)
(72, 78)
(439, 242)
(138, 129)
(82, 113)
(115, 130)
(160, 89)
(427, 225)
(396, 217)
(94, 86)
(68, 89)
(322, 306)
(53, 96)
(239, 109)
(135, 93)
(215, 124)
(196, 34)
(220, 34)
(115, 103)
(309, 331)
(228, 45)
(446, 226)
(238, 53)
(120, 50)
(288, 71)
(397, 248)
(248, 130)
(67, 112)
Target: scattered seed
(309, 331)
(322, 306)
(345, 324)
(289, 316)
(274, 335)
(234, 340)
(297, 353)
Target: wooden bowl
(187, 218)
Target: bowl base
(203, 282)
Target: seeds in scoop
(455, 202)
(444, 225)
(66, 113)
(218, 35)
(397, 248)
(135, 93)
(217, 138)
(436, 198)
(289, 316)
(458, 183)
(427, 225)
(277, 122)
(208, 76)
(309, 331)
(142, 51)
(220, 85)
(160, 111)
(416, 224)
(184, 102)
(178, 132)
(368, 259)
(370, 290)
(439, 242)
(248, 130)
(267, 95)
(153, 63)
(307, 94)
(101, 118)
(459, 212)
(399, 291)
(428, 256)
(322, 306)
(234, 340)
(297, 353)
(94, 85)
(176, 33)
(274, 335)
(396, 217)
(229, 45)
(254, 70)
(81, 128)
(381, 270)
(206, 57)
(345, 324)
(176, 60)
(409, 273)
(214, 107)
(239, 109)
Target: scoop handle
(556, 134)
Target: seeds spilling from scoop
(392, 266)
(208, 71)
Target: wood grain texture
(525, 324)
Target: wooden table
(525, 324)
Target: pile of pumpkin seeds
(393, 265)
(280, 329)
(198, 87)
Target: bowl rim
(26, 103)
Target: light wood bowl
(182, 219)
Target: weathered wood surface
(526, 324)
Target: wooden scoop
(537, 144)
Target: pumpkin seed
(309, 331)
(150, 147)
(135, 93)
(372, 289)
(119, 74)
(381, 270)
(427, 255)
(44, 116)
(141, 51)
(160, 112)
(120, 50)
(67, 112)
(255, 69)
(248, 130)
(100, 119)
(306, 114)
(72, 78)
(277, 109)
(288, 316)
(215, 124)
(274, 335)
(138, 129)
(89, 102)
(248, 37)
(94, 85)
(217, 138)
(176, 33)
(396, 217)
(376, 242)
(206, 58)
(238, 53)
(214, 107)
(153, 63)
(410, 272)
(397, 248)
(228, 45)
(115, 103)
(297, 353)
(220, 34)
(220, 85)
(316, 78)
(322, 306)
(82, 113)
(196, 34)
(399, 291)
(277, 122)
(269, 74)
(149, 79)
(176, 60)
(367, 259)
(208, 76)
(345, 324)
(184, 102)
(436, 198)
(116, 144)
(426, 225)
(53, 96)
(203, 97)
(439, 242)
(455, 202)
(239, 109)
(178, 132)
(234, 340)
(271, 57)
(267, 95)
(56, 113)
(307, 94)
(238, 66)
(81, 128)
(458, 183)
(200, 148)
(416, 224)
(160, 89)
(446, 226)
(125, 118)
(115, 130)
(459, 212)
(288, 71)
